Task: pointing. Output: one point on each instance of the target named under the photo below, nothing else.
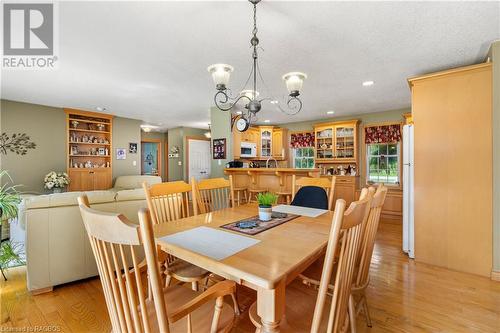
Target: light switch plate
(134, 163)
(180, 162)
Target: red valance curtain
(383, 134)
(302, 140)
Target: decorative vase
(57, 190)
(265, 213)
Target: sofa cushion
(128, 195)
(52, 200)
(133, 182)
(96, 197)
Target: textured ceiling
(147, 60)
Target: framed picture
(219, 149)
(102, 151)
(121, 153)
(132, 147)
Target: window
(383, 163)
(303, 158)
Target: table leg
(271, 307)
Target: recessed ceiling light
(239, 112)
(330, 112)
(267, 121)
(368, 83)
(274, 101)
(100, 108)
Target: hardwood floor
(403, 296)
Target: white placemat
(213, 243)
(298, 210)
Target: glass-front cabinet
(266, 142)
(336, 142)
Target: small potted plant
(56, 181)
(266, 200)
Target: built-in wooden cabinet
(266, 137)
(270, 141)
(337, 142)
(280, 143)
(89, 150)
(345, 188)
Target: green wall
(221, 128)
(177, 137)
(47, 128)
(125, 131)
(495, 56)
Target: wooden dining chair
(169, 202)
(323, 182)
(362, 278)
(332, 311)
(113, 238)
(213, 194)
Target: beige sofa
(57, 247)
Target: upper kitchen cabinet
(279, 143)
(337, 141)
(266, 138)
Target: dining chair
(312, 197)
(169, 202)
(213, 194)
(323, 182)
(331, 312)
(362, 278)
(113, 238)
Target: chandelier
(225, 101)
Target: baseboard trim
(41, 291)
(495, 275)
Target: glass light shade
(249, 93)
(220, 73)
(294, 81)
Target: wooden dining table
(268, 266)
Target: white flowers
(56, 179)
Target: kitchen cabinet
(266, 137)
(337, 142)
(345, 188)
(270, 141)
(279, 143)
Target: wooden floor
(403, 297)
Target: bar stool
(237, 193)
(286, 195)
(252, 197)
(283, 193)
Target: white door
(199, 159)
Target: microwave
(248, 149)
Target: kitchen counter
(272, 170)
(270, 179)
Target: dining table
(279, 255)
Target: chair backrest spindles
(113, 240)
(213, 194)
(369, 234)
(345, 232)
(169, 201)
(323, 182)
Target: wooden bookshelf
(89, 150)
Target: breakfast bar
(277, 180)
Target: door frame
(160, 154)
(199, 138)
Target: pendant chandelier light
(225, 102)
